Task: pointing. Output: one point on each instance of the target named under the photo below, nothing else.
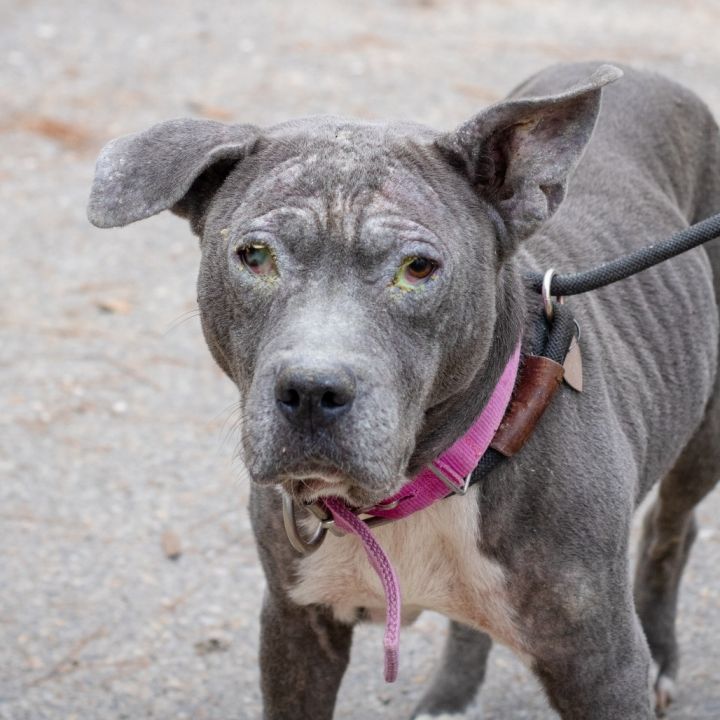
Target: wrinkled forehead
(346, 180)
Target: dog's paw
(664, 694)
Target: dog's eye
(257, 259)
(415, 271)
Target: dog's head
(356, 279)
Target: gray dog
(362, 285)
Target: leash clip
(546, 297)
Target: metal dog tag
(573, 366)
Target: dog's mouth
(309, 485)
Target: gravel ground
(116, 430)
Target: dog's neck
(447, 421)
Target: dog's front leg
(303, 656)
(599, 669)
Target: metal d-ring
(326, 522)
(306, 547)
(546, 297)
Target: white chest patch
(439, 566)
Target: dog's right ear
(176, 165)
(519, 153)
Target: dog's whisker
(180, 319)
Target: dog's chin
(308, 480)
(307, 488)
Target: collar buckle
(454, 488)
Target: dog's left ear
(175, 165)
(519, 153)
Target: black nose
(310, 397)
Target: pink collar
(450, 473)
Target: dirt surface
(129, 584)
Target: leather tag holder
(539, 380)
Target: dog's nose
(311, 397)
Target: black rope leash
(631, 264)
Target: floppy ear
(177, 165)
(518, 153)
